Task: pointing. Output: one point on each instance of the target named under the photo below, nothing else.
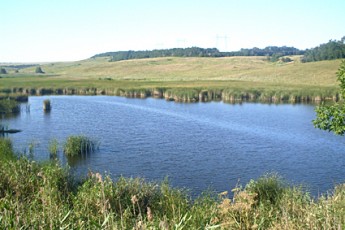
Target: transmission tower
(222, 40)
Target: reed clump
(19, 97)
(182, 95)
(47, 105)
(8, 106)
(53, 148)
(44, 195)
(80, 145)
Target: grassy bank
(43, 195)
(183, 79)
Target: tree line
(331, 50)
(267, 51)
(270, 51)
(175, 52)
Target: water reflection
(9, 115)
(78, 160)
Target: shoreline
(184, 95)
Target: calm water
(198, 146)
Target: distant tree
(3, 71)
(332, 117)
(38, 69)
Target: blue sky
(69, 30)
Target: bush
(38, 70)
(286, 59)
(269, 189)
(79, 145)
(3, 71)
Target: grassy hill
(240, 74)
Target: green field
(183, 77)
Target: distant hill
(332, 50)
(272, 52)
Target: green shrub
(286, 59)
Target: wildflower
(98, 177)
(149, 214)
(134, 199)
(163, 225)
(225, 206)
(225, 193)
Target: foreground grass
(44, 196)
(135, 78)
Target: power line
(224, 39)
(181, 42)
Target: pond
(197, 146)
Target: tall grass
(45, 196)
(6, 151)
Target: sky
(71, 30)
